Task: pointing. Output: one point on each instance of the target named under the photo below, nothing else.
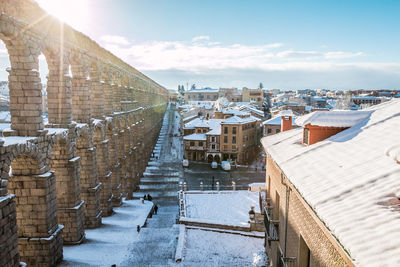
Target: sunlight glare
(73, 12)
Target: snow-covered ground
(108, 244)
(224, 207)
(207, 248)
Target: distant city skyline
(283, 44)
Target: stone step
(159, 180)
(161, 220)
(156, 194)
(166, 174)
(159, 187)
(154, 247)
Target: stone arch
(39, 235)
(25, 93)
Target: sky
(296, 44)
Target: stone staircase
(156, 243)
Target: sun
(75, 13)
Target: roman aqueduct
(62, 175)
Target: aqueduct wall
(61, 175)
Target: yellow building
(252, 95)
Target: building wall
(255, 95)
(195, 150)
(246, 139)
(302, 223)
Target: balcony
(271, 226)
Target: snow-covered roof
(238, 120)
(202, 124)
(335, 118)
(234, 112)
(348, 180)
(288, 112)
(215, 126)
(277, 121)
(195, 137)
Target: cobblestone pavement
(156, 243)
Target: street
(202, 172)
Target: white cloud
(341, 54)
(203, 59)
(200, 38)
(114, 39)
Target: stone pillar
(81, 99)
(59, 95)
(40, 237)
(9, 255)
(108, 98)
(115, 168)
(97, 98)
(104, 174)
(116, 98)
(89, 184)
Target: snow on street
(208, 248)
(108, 244)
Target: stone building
(205, 94)
(232, 135)
(61, 176)
(332, 189)
(253, 95)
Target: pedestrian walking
(155, 209)
(145, 197)
(138, 228)
(212, 183)
(149, 198)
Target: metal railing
(208, 187)
(271, 226)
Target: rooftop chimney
(287, 117)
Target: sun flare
(73, 12)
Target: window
(200, 143)
(234, 130)
(233, 139)
(278, 130)
(212, 139)
(204, 130)
(208, 96)
(269, 130)
(225, 130)
(191, 143)
(212, 146)
(225, 139)
(225, 147)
